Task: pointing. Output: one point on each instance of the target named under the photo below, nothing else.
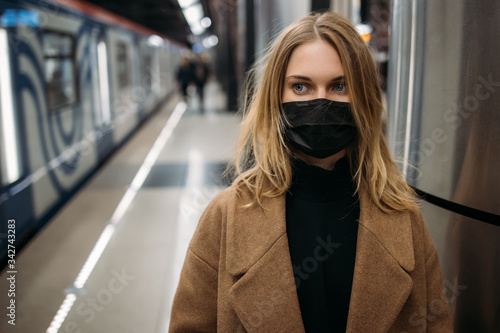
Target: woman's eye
(299, 87)
(340, 87)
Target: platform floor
(110, 260)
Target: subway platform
(110, 260)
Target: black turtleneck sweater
(322, 216)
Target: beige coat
(238, 276)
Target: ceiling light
(186, 3)
(206, 22)
(210, 41)
(193, 13)
(155, 40)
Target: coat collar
(384, 257)
(251, 231)
(258, 253)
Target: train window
(60, 70)
(123, 67)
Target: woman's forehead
(317, 60)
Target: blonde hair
(262, 160)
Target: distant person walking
(201, 72)
(184, 76)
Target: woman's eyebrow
(305, 78)
(340, 78)
(298, 77)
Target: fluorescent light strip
(103, 81)
(11, 156)
(411, 89)
(62, 313)
(124, 204)
(148, 163)
(186, 3)
(193, 15)
(94, 256)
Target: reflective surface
(470, 260)
(272, 16)
(347, 8)
(444, 92)
(443, 128)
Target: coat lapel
(384, 257)
(264, 296)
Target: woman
(319, 232)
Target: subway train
(75, 82)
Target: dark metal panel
(320, 5)
(163, 16)
(250, 34)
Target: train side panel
(80, 87)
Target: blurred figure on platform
(184, 76)
(201, 71)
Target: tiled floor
(98, 267)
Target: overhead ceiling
(163, 16)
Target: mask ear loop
(283, 124)
(284, 121)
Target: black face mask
(320, 127)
